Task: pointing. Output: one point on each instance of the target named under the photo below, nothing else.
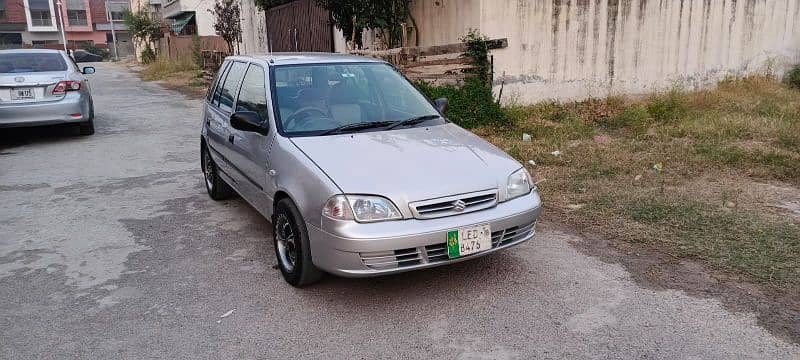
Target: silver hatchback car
(44, 87)
(359, 173)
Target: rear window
(31, 62)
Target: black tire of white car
(217, 188)
(304, 272)
(87, 127)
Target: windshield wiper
(357, 126)
(413, 121)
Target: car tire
(292, 249)
(87, 127)
(217, 188)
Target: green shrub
(470, 106)
(793, 77)
(668, 107)
(635, 117)
(148, 56)
(197, 51)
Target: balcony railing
(42, 22)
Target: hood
(409, 165)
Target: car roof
(305, 58)
(31, 51)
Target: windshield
(31, 62)
(319, 99)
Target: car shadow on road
(16, 137)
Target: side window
(218, 89)
(231, 85)
(215, 83)
(253, 95)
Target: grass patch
(164, 68)
(684, 172)
(182, 74)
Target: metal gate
(299, 26)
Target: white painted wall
(574, 49)
(254, 29)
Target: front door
(249, 150)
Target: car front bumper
(397, 246)
(46, 113)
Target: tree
(227, 22)
(386, 17)
(144, 29)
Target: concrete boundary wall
(574, 49)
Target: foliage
(142, 26)
(265, 5)
(793, 77)
(197, 53)
(470, 106)
(667, 107)
(478, 51)
(227, 22)
(148, 56)
(384, 16)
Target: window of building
(40, 13)
(2, 9)
(45, 43)
(116, 10)
(76, 13)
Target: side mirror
(441, 104)
(249, 121)
(88, 70)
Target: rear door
(218, 115)
(249, 150)
(30, 76)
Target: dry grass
(719, 152)
(182, 74)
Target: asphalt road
(110, 248)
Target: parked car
(83, 56)
(359, 173)
(44, 87)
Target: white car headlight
(362, 208)
(519, 183)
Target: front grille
(391, 259)
(436, 253)
(454, 205)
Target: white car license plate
(22, 94)
(466, 241)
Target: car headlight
(519, 183)
(362, 208)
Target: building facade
(35, 23)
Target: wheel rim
(286, 241)
(208, 170)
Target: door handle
(230, 138)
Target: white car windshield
(320, 99)
(31, 62)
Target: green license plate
(470, 240)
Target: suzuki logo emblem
(19, 79)
(459, 205)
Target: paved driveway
(110, 248)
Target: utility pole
(113, 32)
(61, 22)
